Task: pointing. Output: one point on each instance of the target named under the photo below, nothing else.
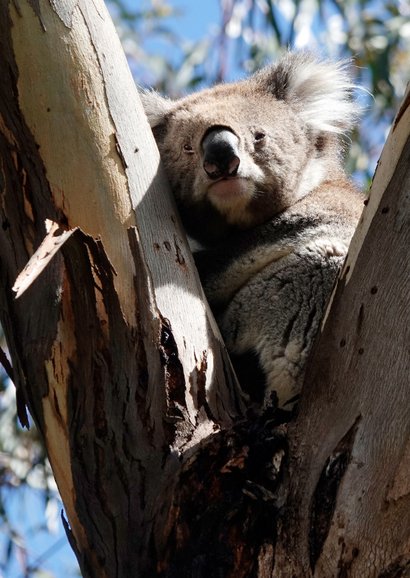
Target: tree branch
(349, 503)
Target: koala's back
(269, 287)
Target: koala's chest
(277, 249)
(265, 272)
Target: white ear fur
(321, 91)
(155, 106)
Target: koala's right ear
(320, 90)
(156, 106)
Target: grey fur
(276, 228)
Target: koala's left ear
(156, 106)
(320, 91)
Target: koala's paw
(284, 378)
(328, 247)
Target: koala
(256, 170)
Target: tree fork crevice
(222, 513)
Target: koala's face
(237, 154)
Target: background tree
(376, 34)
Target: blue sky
(49, 551)
(195, 18)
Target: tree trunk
(348, 510)
(113, 347)
(121, 365)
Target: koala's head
(237, 154)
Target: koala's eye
(188, 149)
(259, 136)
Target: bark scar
(35, 5)
(179, 255)
(174, 373)
(325, 495)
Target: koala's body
(256, 170)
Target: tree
(116, 355)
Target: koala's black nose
(221, 155)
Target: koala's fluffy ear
(321, 91)
(156, 106)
